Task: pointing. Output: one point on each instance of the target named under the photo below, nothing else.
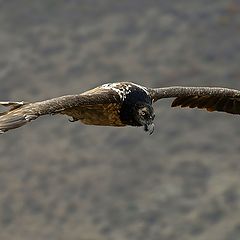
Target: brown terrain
(67, 181)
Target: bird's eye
(143, 113)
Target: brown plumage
(120, 104)
(94, 108)
(99, 114)
(209, 98)
(210, 103)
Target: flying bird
(120, 104)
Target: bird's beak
(149, 128)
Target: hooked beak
(149, 128)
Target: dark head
(144, 116)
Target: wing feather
(209, 98)
(20, 113)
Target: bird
(119, 104)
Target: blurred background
(62, 180)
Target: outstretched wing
(209, 98)
(21, 113)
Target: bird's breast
(99, 114)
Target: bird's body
(120, 104)
(117, 112)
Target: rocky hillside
(61, 180)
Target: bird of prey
(120, 104)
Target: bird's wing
(209, 98)
(21, 113)
(64, 103)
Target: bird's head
(144, 115)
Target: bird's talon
(72, 120)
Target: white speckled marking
(123, 89)
(29, 118)
(11, 103)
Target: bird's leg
(73, 119)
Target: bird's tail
(16, 116)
